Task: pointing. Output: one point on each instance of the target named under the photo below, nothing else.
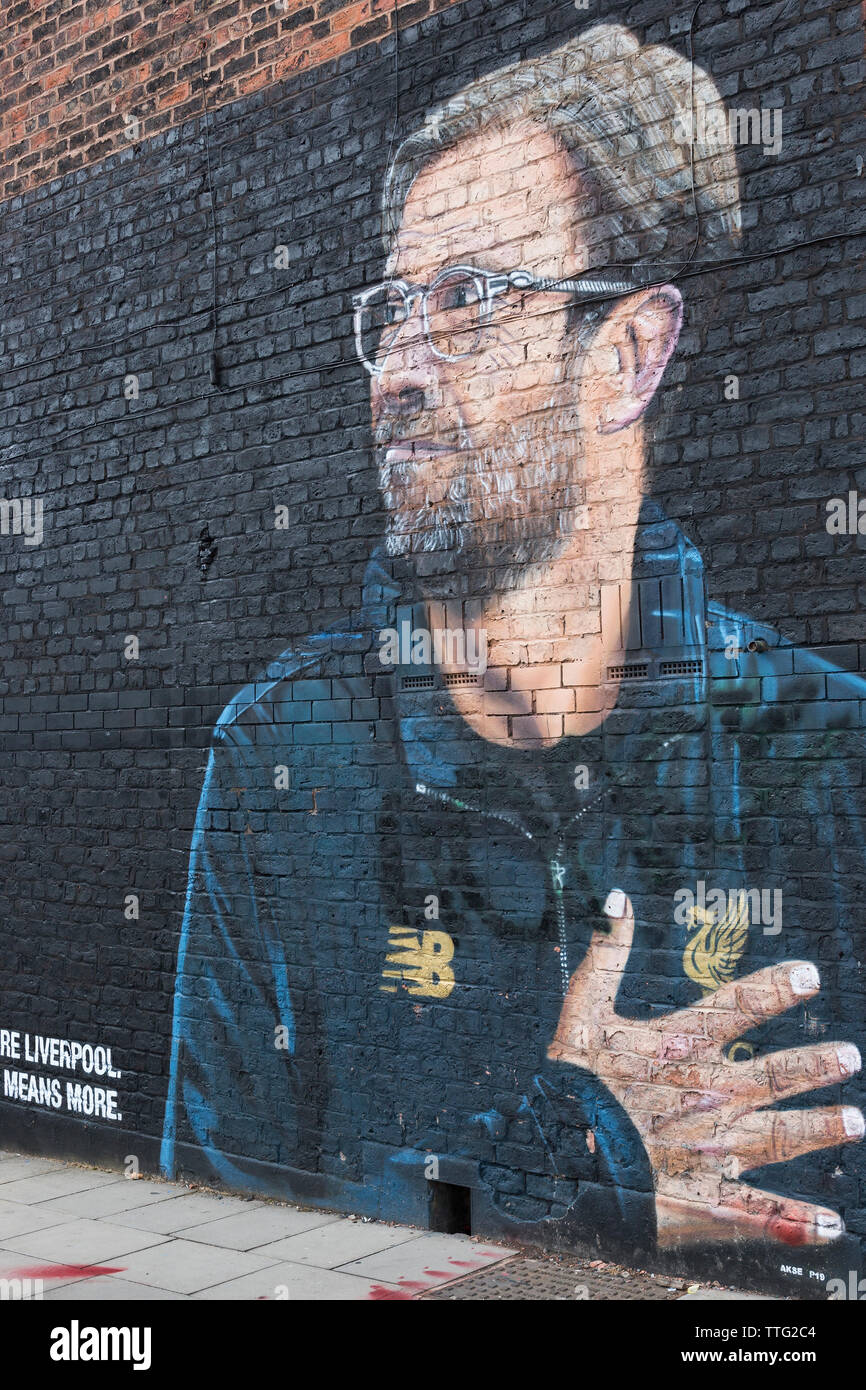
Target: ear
(628, 356)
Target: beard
(517, 501)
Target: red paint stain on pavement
(64, 1271)
(379, 1293)
(440, 1273)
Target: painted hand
(701, 1117)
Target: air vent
(427, 682)
(681, 668)
(631, 672)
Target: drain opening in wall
(450, 1209)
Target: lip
(411, 448)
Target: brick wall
(72, 74)
(180, 389)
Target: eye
(456, 292)
(458, 296)
(391, 308)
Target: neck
(537, 644)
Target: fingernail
(848, 1057)
(615, 905)
(852, 1119)
(829, 1225)
(804, 978)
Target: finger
(779, 1075)
(735, 1088)
(736, 1008)
(779, 1135)
(608, 951)
(593, 987)
(614, 946)
(745, 1213)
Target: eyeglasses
(455, 308)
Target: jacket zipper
(555, 866)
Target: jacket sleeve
(238, 1085)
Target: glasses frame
(490, 285)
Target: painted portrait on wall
(539, 872)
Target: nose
(407, 380)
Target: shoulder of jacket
(258, 703)
(756, 649)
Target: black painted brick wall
(109, 272)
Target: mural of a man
(431, 905)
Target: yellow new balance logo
(421, 961)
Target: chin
(488, 557)
(429, 530)
(429, 540)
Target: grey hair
(624, 112)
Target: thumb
(608, 952)
(593, 986)
(611, 949)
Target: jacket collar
(666, 648)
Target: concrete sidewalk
(87, 1234)
(69, 1232)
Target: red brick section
(72, 74)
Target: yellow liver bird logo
(714, 946)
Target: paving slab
(58, 1183)
(18, 1288)
(427, 1261)
(185, 1212)
(16, 1219)
(44, 1275)
(14, 1166)
(185, 1266)
(81, 1242)
(115, 1199)
(338, 1243)
(250, 1229)
(296, 1283)
(111, 1288)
